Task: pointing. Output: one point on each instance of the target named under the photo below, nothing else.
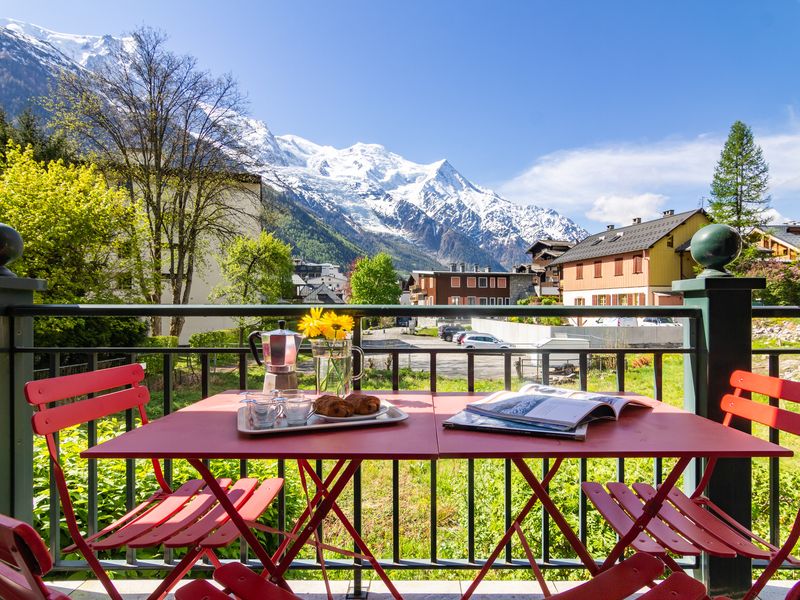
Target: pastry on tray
(333, 406)
(354, 404)
(364, 404)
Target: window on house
(482, 282)
(483, 301)
(579, 271)
(471, 300)
(492, 282)
(618, 266)
(598, 268)
(637, 264)
(501, 282)
(455, 300)
(492, 301)
(455, 282)
(471, 282)
(580, 301)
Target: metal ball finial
(10, 248)
(715, 246)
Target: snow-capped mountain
(364, 195)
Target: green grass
(429, 331)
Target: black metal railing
(690, 318)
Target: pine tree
(741, 178)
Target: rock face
(333, 204)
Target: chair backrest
(735, 405)
(42, 392)
(24, 559)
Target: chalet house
(318, 283)
(633, 265)
(464, 286)
(545, 277)
(780, 242)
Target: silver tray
(319, 423)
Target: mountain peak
(88, 51)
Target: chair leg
(174, 576)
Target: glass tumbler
(262, 409)
(297, 407)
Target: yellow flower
(340, 325)
(311, 325)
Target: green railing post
(724, 338)
(16, 436)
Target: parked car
(566, 363)
(483, 340)
(658, 322)
(458, 338)
(615, 322)
(448, 331)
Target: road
(447, 365)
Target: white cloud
(613, 183)
(620, 210)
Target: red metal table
(664, 431)
(207, 430)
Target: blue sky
(603, 110)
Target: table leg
(307, 510)
(362, 546)
(510, 532)
(649, 510)
(247, 533)
(318, 515)
(540, 491)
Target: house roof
(562, 245)
(788, 234)
(639, 236)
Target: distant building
(633, 265)
(463, 285)
(780, 242)
(318, 283)
(546, 278)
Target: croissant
(333, 406)
(364, 404)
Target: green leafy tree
(257, 271)
(171, 134)
(76, 230)
(374, 281)
(77, 234)
(27, 130)
(741, 179)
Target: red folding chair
(237, 579)
(24, 560)
(689, 525)
(186, 517)
(617, 583)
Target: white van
(566, 361)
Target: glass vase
(333, 366)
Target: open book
(558, 407)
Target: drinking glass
(262, 409)
(297, 408)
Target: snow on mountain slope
(372, 182)
(88, 51)
(371, 196)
